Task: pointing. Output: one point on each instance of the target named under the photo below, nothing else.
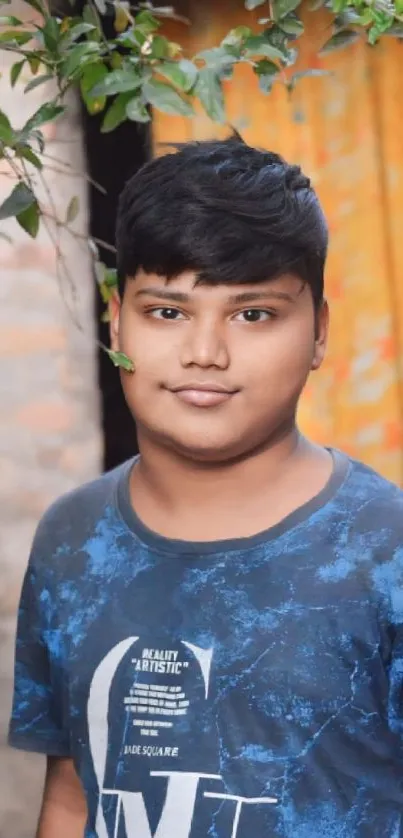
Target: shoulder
(365, 539)
(367, 513)
(72, 518)
(369, 494)
(372, 510)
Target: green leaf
(72, 210)
(374, 34)
(282, 8)
(116, 60)
(217, 58)
(108, 284)
(267, 72)
(237, 36)
(163, 97)
(381, 21)
(182, 74)
(107, 281)
(77, 32)
(337, 6)
(91, 16)
(348, 17)
(339, 41)
(137, 111)
(28, 219)
(34, 63)
(105, 292)
(16, 37)
(116, 114)
(46, 113)
(38, 80)
(121, 21)
(277, 37)
(93, 74)
(16, 71)
(118, 81)
(111, 278)
(20, 199)
(266, 68)
(127, 41)
(7, 135)
(253, 4)
(38, 136)
(208, 89)
(10, 20)
(99, 268)
(78, 56)
(101, 6)
(25, 151)
(147, 22)
(119, 359)
(292, 25)
(159, 47)
(258, 45)
(365, 18)
(51, 34)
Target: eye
(254, 315)
(166, 313)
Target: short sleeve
(396, 686)
(37, 719)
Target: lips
(203, 394)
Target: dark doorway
(111, 160)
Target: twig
(60, 259)
(74, 172)
(11, 162)
(59, 253)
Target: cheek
(154, 358)
(139, 344)
(283, 359)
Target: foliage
(139, 68)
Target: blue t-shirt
(247, 688)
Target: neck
(176, 482)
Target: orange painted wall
(346, 131)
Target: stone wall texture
(50, 437)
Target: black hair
(230, 212)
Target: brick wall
(49, 417)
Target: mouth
(203, 394)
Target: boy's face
(218, 369)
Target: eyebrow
(244, 297)
(254, 296)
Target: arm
(40, 716)
(64, 811)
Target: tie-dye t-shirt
(247, 688)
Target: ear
(114, 317)
(321, 335)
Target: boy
(209, 639)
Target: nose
(205, 345)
